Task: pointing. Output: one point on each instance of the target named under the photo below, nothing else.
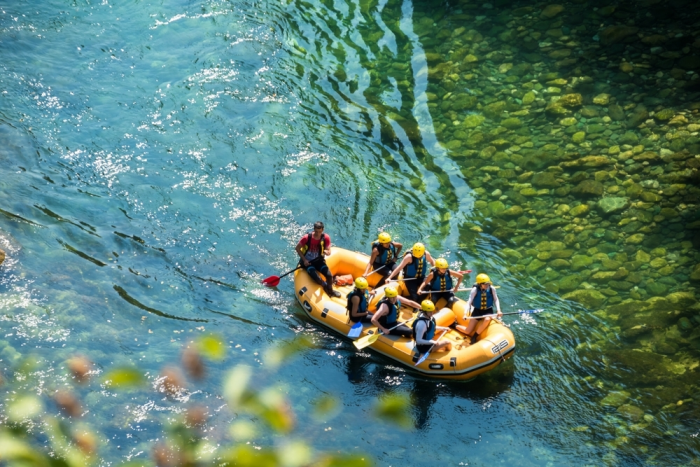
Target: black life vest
(431, 326)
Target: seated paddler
(424, 328)
(482, 299)
(383, 259)
(415, 265)
(439, 283)
(358, 300)
(387, 314)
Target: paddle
(382, 267)
(273, 281)
(355, 330)
(372, 338)
(519, 312)
(425, 355)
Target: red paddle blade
(272, 281)
(467, 271)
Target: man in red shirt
(312, 248)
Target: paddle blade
(537, 310)
(355, 330)
(422, 359)
(272, 281)
(466, 271)
(366, 341)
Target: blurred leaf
(243, 430)
(278, 355)
(276, 410)
(326, 407)
(212, 346)
(355, 460)
(294, 454)
(247, 456)
(12, 448)
(123, 378)
(24, 407)
(236, 383)
(393, 408)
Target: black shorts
(423, 348)
(481, 312)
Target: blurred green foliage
(70, 442)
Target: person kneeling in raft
(386, 316)
(439, 283)
(383, 259)
(424, 328)
(358, 300)
(482, 298)
(415, 267)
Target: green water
(159, 158)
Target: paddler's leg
(402, 330)
(483, 324)
(328, 285)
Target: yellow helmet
(441, 263)
(482, 279)
(418, 250)
(427, 305)
(361, 283)
(391, 292)
(384, 238)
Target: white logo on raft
(500, 346)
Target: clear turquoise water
(159, 159)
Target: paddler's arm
(301, 255)
(459, 276)
(420, 331)
(425, 283)
(375, 318)
(496, 302)
(470, 308)
(430, 259)
(371, 261)
(410, 303)
(398, 247)
(398, 268)
(327, 251)
(355, 301)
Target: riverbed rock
(695, 275)
(615, 398)
(550, 11)
(616, 33)
(631, 412)
(588, 188)
(590, 298)
(545, 180)
(610, 204)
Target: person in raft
(358, 300)
(386, 316)
(415, 266)
(439, 283)
(312, 249)
(481, 301)
(424, 328)
(384, 254)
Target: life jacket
(390, 318)
(305, 248)
(362, 306)
(385, 255)
(482, 298)
(431, 325)
(441, 283)
(416, 268)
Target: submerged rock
(631, 412)
(610, 204)
(615, 398)
(590, 298)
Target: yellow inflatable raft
(463, 362)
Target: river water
(160, 158)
